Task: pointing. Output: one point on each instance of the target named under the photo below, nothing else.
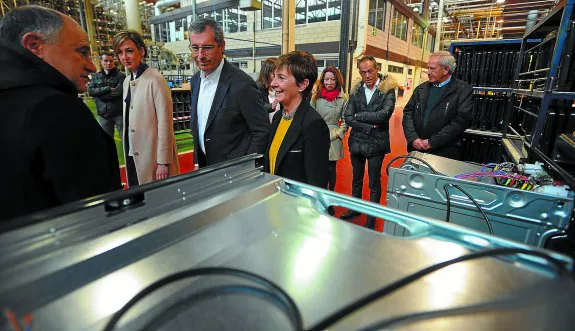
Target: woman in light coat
(149, 143)
(329, 101)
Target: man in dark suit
(53, 149)
(228, 119)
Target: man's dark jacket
(108, 102)
(237, 125)
(304, 152)
(370, 122)
(448, 120)
(53, 150)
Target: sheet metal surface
(524, 216)
(277, 229)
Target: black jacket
(108, 102)
(370, 122)
(53, 150)
(304, 152)
(264, 94)
(237, 124)
(448, 120)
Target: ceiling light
(500, 1)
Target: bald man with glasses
(228, 118)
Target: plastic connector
(531, 169)
(559, 191)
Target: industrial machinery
(232, 248)
(517, 202)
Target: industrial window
(334, 63)
(399, 25)
(243, 15)
(417, 36)
(165, 30)
(377, 14)
(395, 69)
(322, 64)
(231, 19)
(157, 34)
(317, 11)
(300, 11)
(312, 11)
(271, 14)
(179, 30)
(333, 10)
(430, 42)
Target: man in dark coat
(439, 110)
(106, 88)
(53, 150)
(368, 111)
(228, 119)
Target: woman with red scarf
(329, 101)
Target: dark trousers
(331, 175)
(131, 172)
(374, 164)
(201, 158)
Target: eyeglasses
(196, 49)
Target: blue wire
(487, 165)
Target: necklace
(289, 116)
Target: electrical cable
(295, 315)
(519, 299)
(409, 157)
(174, 310)
(448, 202)
(404, 281)
(289, 304)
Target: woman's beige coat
(151, 130)
(332, 114)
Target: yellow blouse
(277, 142)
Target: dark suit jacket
(237, 124)
(304, 152)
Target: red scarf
(329, 95)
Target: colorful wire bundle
(503, 174)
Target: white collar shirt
(369, 92)
(208, 87)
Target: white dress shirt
(369, 92)
(208, 87)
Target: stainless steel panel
(278, 229)
(524, 216)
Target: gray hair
(22, 20)
(445, 60)
(200, 25)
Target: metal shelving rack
(527, 84)
(496, 89)
(510, 44)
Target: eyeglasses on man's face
(208, 49)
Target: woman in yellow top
(298, 148)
